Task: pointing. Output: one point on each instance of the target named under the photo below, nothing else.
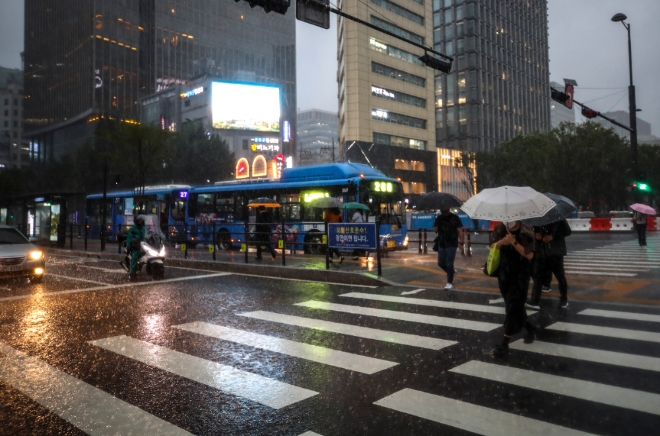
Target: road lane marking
(315, 353)
(403, 316)
(84, 406)
(352, 330)
(107, 270)
(588, 272)
(611, 262)
(310, 433)
(584, 390)
(416, 291)
(587, 329)
(430, 303)
(306, 281)
(590, 355)
(497, 300)
(621, 315)
(108, 287)
(260, 389)
(612, 267)
(470, 417)
(76, 278)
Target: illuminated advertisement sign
(377, 90)
(192, 92)
(286, 131)
(237, 106)
(382, 186)
(265, 144)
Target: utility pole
(333, 150)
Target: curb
(346, 278)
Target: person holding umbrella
(550, 260)
(510, 204)
(642, 212)
(449, 229)
(264, 232)
(333, 215)
(516, 244)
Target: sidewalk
(406, 268)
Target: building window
(416, 165)
(15, 102)
(398, 96)
(395, 74)
(417, 188)
(392, 117)
(395, 52)
(6, 112)
(398, 141)
(6, 101)
(402, 12)
(400, 164)
(396, 29)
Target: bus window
(94, 211)
(205, 203)
(178, 210)
(128, 206)
(145, 205)
(225, 203)
(290, 210)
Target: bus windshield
(385, 200)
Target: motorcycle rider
(136, 234)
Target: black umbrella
(564, 209)
(439, 200)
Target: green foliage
(585, 162)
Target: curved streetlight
(631, 97)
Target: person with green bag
(516, 244)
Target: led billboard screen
(238, 106)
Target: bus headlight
(35, 255)
(38, 271)
(405, 241)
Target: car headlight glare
(35, 255)
(162, 252)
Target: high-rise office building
(558, 112)
(12, 149)
(317, 137)
(392, 109)
(89, 60)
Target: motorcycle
(152, 254)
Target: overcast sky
(584, 45)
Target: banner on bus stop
(352, 236)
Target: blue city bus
(224, 206)
(163, 206)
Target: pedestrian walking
(449, 231)
(333, 215)
(516, 244)
(640, 226)
(264, 232)
(549, 260)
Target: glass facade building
(499, 84)
(317, 137)
(90, 59)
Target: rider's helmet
(139, 220)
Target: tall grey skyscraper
(86, 60)
(317, 137)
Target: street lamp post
(631, 98)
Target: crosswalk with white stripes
(97, 412)
(624, 259)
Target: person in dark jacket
(551, 249)
(516, 244)
(264, 232)
(449, 228)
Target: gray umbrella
(564, 209)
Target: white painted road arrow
(416, 291)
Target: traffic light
(435, 63)
(279, 6)
(589, 113)
(640, 186)
(558, 96)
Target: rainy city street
(209, 352)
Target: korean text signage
(352, 235)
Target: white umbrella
(508, 203)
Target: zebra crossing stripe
(470, 417)
(403, 316)
(262, 390)
(431, 303)
(590, 355)
(82, 405)
(315, 353)
(584, 390)
(588, 272)
(621, 315)
(635, 335)
(612, 262)
(613, 267)
(352, 330)
(310, 433)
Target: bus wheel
(314, 243)
(224, 240)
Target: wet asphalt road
(177, 356)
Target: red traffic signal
(589, 113)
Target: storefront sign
(192, 92)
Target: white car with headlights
(19, 257)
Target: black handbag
(436, 243)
